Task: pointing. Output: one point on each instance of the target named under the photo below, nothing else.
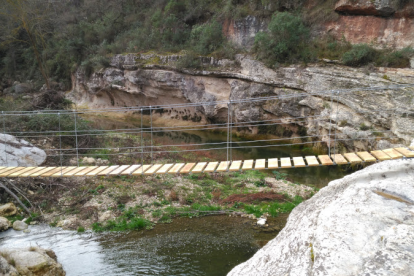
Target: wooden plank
(312, 161)
(39, 173)
(153, 169)
(299, 162)
(85, 171)
(285, 162)
(393, 153)
(176, 168)
(62, 172)
(164, 169)
(52, 172)
(406, 152)
(380, 155)
(260, 164)
(26, 174)
(235, 166)
(187, 167)
(97, 170)
(130, 170)
(223, 166)
(119, 170)
(16, 174)
(107, 170)
(74, 171)
(199, 167)
(364, 155)
(247, 165)
(325, 160)
(272, 163)
(339, 159)
(141, 170)
(211, 167)
(16, 169)
(352, 157)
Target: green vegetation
(287, 40)
(47, 41)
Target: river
(208, 246)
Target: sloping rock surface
(362, 224)
(16, 152)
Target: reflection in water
(199, 246)
(318, 176)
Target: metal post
(330, 126)
(151, 133)
(4, 135)
(337, 110)
(228, 130)
(142, 148)
(60, 145)
(76, 139)
(231, 131)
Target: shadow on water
(210, 246)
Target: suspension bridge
(144, 148)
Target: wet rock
(16, 152)
(4, 224)
(6, 268)
(19, 225)
(8, 209)
(32, 261)
(361, 224)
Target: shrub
(286, 41)
(207, 38)
(360, 54)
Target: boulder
(23, 88)
(4, 224)
(362, 224)
(19, 225)
(33, 261)
(368, 7)
(16, 152)
(8, 209)
(6, 268)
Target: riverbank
(135, 202)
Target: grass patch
(274, 208)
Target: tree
(287, 40)
(26, 22)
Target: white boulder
(4, 224)
(19, 153)
(19, 225)
(362, 224)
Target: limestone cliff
(129, 83)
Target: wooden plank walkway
(210, 167)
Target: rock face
(8, 209)
(18, 152)
(368, 7)
(19, 225)
(4, 224)
(31, 261)
(362, 224)
(149, 86)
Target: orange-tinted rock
(383, 32)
